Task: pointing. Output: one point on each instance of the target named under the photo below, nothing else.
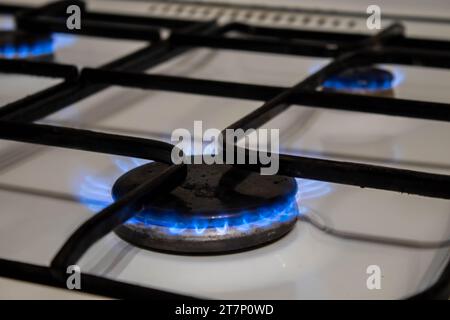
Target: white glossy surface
(306, 263)
(18, 290)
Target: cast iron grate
(347, 50)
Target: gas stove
(87, 177)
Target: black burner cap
(218, 208)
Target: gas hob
(86, 176)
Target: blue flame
(176, 224)
(63, 40)
(41, 47)
(399, 77)
(95, 194)
(312, 189)
(360, 79)
(127, 164)
(22, 51)
(309, 190)
(363, 81)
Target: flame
(41, 47)
(358, 84)
(176, 224)
(95, 194)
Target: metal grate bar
(406, 181)
(91, 283)
(113, 216)
(315, 99)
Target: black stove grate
(347, 50)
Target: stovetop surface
(48, 192)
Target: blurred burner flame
(39, 48)
(367, 81)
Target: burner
(217, 209)
(362, 80)
(23, 45)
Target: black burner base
(151, 237)
(218, 209)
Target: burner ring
(217, 209)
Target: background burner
(367, 80)
(217, 209)
(24, 45)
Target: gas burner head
(217, 209)
(362, 80)
(24, 45)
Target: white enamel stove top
(40, 187)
